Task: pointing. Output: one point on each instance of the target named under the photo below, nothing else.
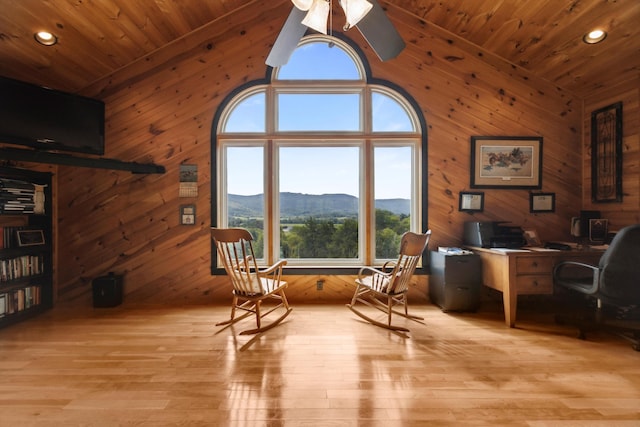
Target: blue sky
(318, 170)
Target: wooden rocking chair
(386, 288)
(251, 286)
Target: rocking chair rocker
(386, 288)
(251, 286)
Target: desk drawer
(534, 284)
(532, 265)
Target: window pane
(392, 181)
(319, 61)
(319, 112)
(319, 208)
(388, 115)
(248, 115)
(315, 176)
(245, 192)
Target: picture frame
(542, 202)
(531, 237)
(507, 162)
(471, 201)
(188, 181)
(606, 154)
(30, 237)
(188, 215)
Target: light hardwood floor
(323, 366)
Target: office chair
(614, 282)
(386, 288)
(251, 286)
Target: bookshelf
(26, 258)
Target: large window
(324, 167)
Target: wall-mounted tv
(49, 119)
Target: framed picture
(531, 237)
(606, 154)
(30, 237)
(188, 215)
(542, 202)
(506, 162)
(471, 202)
(188, 181)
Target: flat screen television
(49, 119)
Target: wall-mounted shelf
(37, 156)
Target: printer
(493, 234)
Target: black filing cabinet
(456, 281)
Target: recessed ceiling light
(595, 36)
(45, 38)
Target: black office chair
(614, 283)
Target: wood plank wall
(160, 110)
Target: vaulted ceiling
(100, 37)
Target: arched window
(325, 166)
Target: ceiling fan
(366, 15)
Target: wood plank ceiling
(98, 37)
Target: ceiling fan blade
(380, 33)
(287, 41)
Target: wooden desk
(523, 272)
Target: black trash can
(107, 290)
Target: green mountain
(303, 205)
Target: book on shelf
(20, 299)
(16, 196)
(20, 267)
(15, 184)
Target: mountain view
(301, 205)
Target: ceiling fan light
(302, 4)
(355, 10)
(317, 16)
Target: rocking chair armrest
(389, 265)
(371, 270)
(271, 269)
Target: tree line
(330, 237)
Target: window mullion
(368, 216)
(270, 202)
(322, 143)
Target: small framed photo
(188, 215)
(471, 202)
(30, 237)
(542, 202)
(531, 236)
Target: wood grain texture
(160, 109)
(323, 366)
(98, 39)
